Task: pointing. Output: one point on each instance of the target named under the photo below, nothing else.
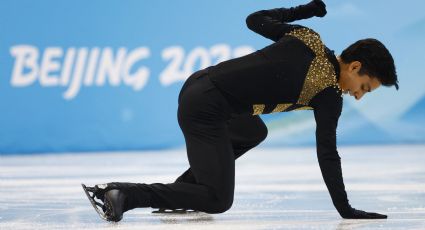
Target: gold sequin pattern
(280, 108)
(258, 109)
(321, 73)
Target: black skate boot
(113, 201)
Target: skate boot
(108, 204)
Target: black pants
(215, 137)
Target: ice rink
(275, 189)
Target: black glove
(320, 9)
(353, 213)
(311, 9)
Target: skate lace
(106, 206)
(99, 193)
(108, 209)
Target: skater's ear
(355, 66)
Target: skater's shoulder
(308, 36)
(329, 99)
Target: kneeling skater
(219, 110)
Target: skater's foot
(108, 202)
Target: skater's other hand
(359, 214)
(318, 7)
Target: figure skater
(219, 110)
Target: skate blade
(93, 203)
(173, 211)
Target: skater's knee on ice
(220, 206)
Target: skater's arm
(273, 24)
(327, 109)
(326, 113)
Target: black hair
(375, 58)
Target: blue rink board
(105, 75)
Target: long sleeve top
(297, 71)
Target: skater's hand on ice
(318, 7)
(359, 214)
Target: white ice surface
(275, 189)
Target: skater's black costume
(219, 107)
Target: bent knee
(263, 133)
(220, 206)
(258, 130)
(260, 134)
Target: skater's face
(355, 84)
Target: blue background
(38, 119)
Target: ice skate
(107, 203)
